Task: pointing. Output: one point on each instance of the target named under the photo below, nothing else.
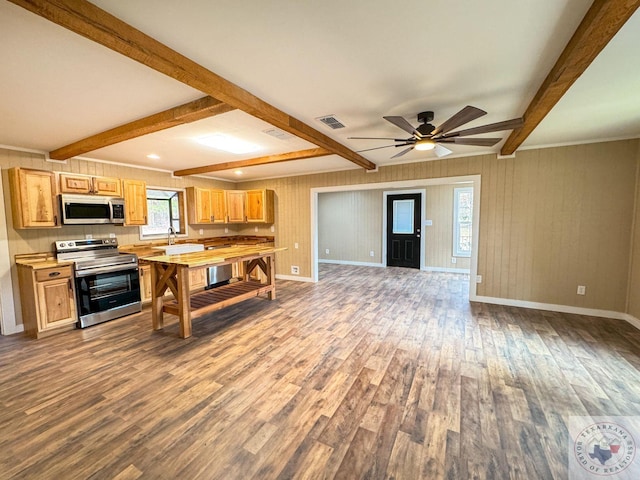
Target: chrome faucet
(171, 237)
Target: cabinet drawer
(53, 273)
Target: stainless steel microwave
(91, 209)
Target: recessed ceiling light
(153, 156)
(228, 143)
(238, 172)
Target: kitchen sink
(179, 248)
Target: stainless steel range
(107, 281)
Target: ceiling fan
(428, 137)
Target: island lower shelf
(207, 301)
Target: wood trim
(598, 27)
(100, 26)
(283, 157)
(189, 112)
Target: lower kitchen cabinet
(47, 297)
(145, 282)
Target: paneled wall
(350, 226)
(41, 240)
(439, 236)
(633, 304)
(551, 219)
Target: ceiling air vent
(331, 121)
(277, 133)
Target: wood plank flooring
(371, 373)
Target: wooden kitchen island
(172, 272)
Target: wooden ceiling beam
(93, 23)
(189, 112)
(284, 157)
(601, 23)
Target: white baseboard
(592, 312)
(446, 270)
(347, 262)
(295, 278)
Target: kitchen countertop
(146, 249)
(212, 257)
(40, 261)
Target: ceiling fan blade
(406, 150)
(385, 146)
(441, 151)
(492, 127)
(400, 122)
(479, 142)
(465, 115)
(380, 138)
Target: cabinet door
(203, 205)
(260, 206)
(75, 184)
(33, 198)
(107, 186)
(145, 282)
(218, 206)
(135, 202)
(197, 278)
(56, 304)
(235, 206)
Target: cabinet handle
(55, 220)
(245, 219)
(70, 286)
(54, 274)
(227, 218)
(212, 218)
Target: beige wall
(350, 226)
(439, 236)
(551, 219)
(41, 240)
(633, 304)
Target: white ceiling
(357, 60)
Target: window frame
(457, 191)
(182, 206)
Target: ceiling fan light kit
(428, 137)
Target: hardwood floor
(371, 373)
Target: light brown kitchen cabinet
(259, 206)
(90, 185)
(34, 202)
(197, 278)
(135, 202)
(47, 296)
(236, 206)
(206, 205)
(144, 272)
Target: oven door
(107, 294)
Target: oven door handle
(108, 269)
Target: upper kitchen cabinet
(259, 206)
(135, 202)
(90, 185)
(33, 198)
(206, 205)
(236, 206)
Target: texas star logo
(604, 448)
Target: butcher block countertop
(146, 249)
(212, 257)
(40, 261)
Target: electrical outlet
(295, 270)
(112, 235)
(428, 223)
(88, 236)
(372, 254)
(256, 229)
(226, 230)
(201, 231)
(326, 250)
(454, 259)
(273, 228)
(478, 278)
(295, 245)
(582, 290)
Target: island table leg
(184, 301)
(156, 300)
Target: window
(403, 216)
(462, 221)
(165, 208)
